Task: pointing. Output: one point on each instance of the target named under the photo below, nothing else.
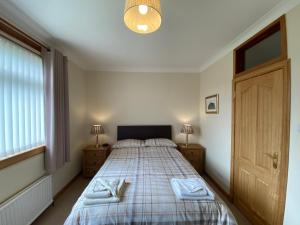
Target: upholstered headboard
(144, 132)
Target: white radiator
(26, 206)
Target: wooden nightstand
(194, 153)
(93, 159)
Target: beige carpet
(56, 214)
(238, 215)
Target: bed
(148, 197)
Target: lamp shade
(97, 129)
(142, 16)
(187, 129)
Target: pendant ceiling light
(142, 16)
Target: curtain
(21, 99)
(56, 110)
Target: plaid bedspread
(148, 197)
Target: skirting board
(209, 179)
(66, 186)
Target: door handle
(274, 157)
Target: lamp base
(187, 141)
(97, 142)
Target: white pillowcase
(129, 143)
(159, 142)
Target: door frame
(285, 65)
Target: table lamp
(96, 130)
(187, 129)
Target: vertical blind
(21, 99)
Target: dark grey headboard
(144, 132)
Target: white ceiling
(192, 31)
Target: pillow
(159, 142)
(129, 143)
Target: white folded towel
(98, 186)
(97, 190)
(100, 194)
(191, 185)
(111, 198)
(98, 201)
(183, 192)
(110, 185)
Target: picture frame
(212, 104)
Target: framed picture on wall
(212, 104)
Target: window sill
(21, 156)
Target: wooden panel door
(260, 159)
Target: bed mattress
(148, 197)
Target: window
(264, 51)
(266, 47)
(21, 99)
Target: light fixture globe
(142, 16)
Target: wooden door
(260, 143)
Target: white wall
(16, 177)
(293, 191)
(143, 99)
(216, 128)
